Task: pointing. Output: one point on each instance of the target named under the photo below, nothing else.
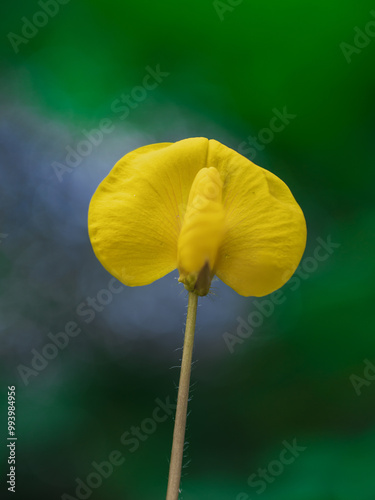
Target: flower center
(202, 232)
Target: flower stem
(182, 402)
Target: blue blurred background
(74, 72)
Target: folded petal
(265, 230)
(135, 214)
(202, 232)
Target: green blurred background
(225, 68)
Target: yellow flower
(198, 206)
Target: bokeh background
(224, 68)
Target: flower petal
(265, 227)
(135, 214)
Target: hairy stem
(182, 402)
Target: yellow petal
(202, 231)
(135, 214)
(265, 228)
